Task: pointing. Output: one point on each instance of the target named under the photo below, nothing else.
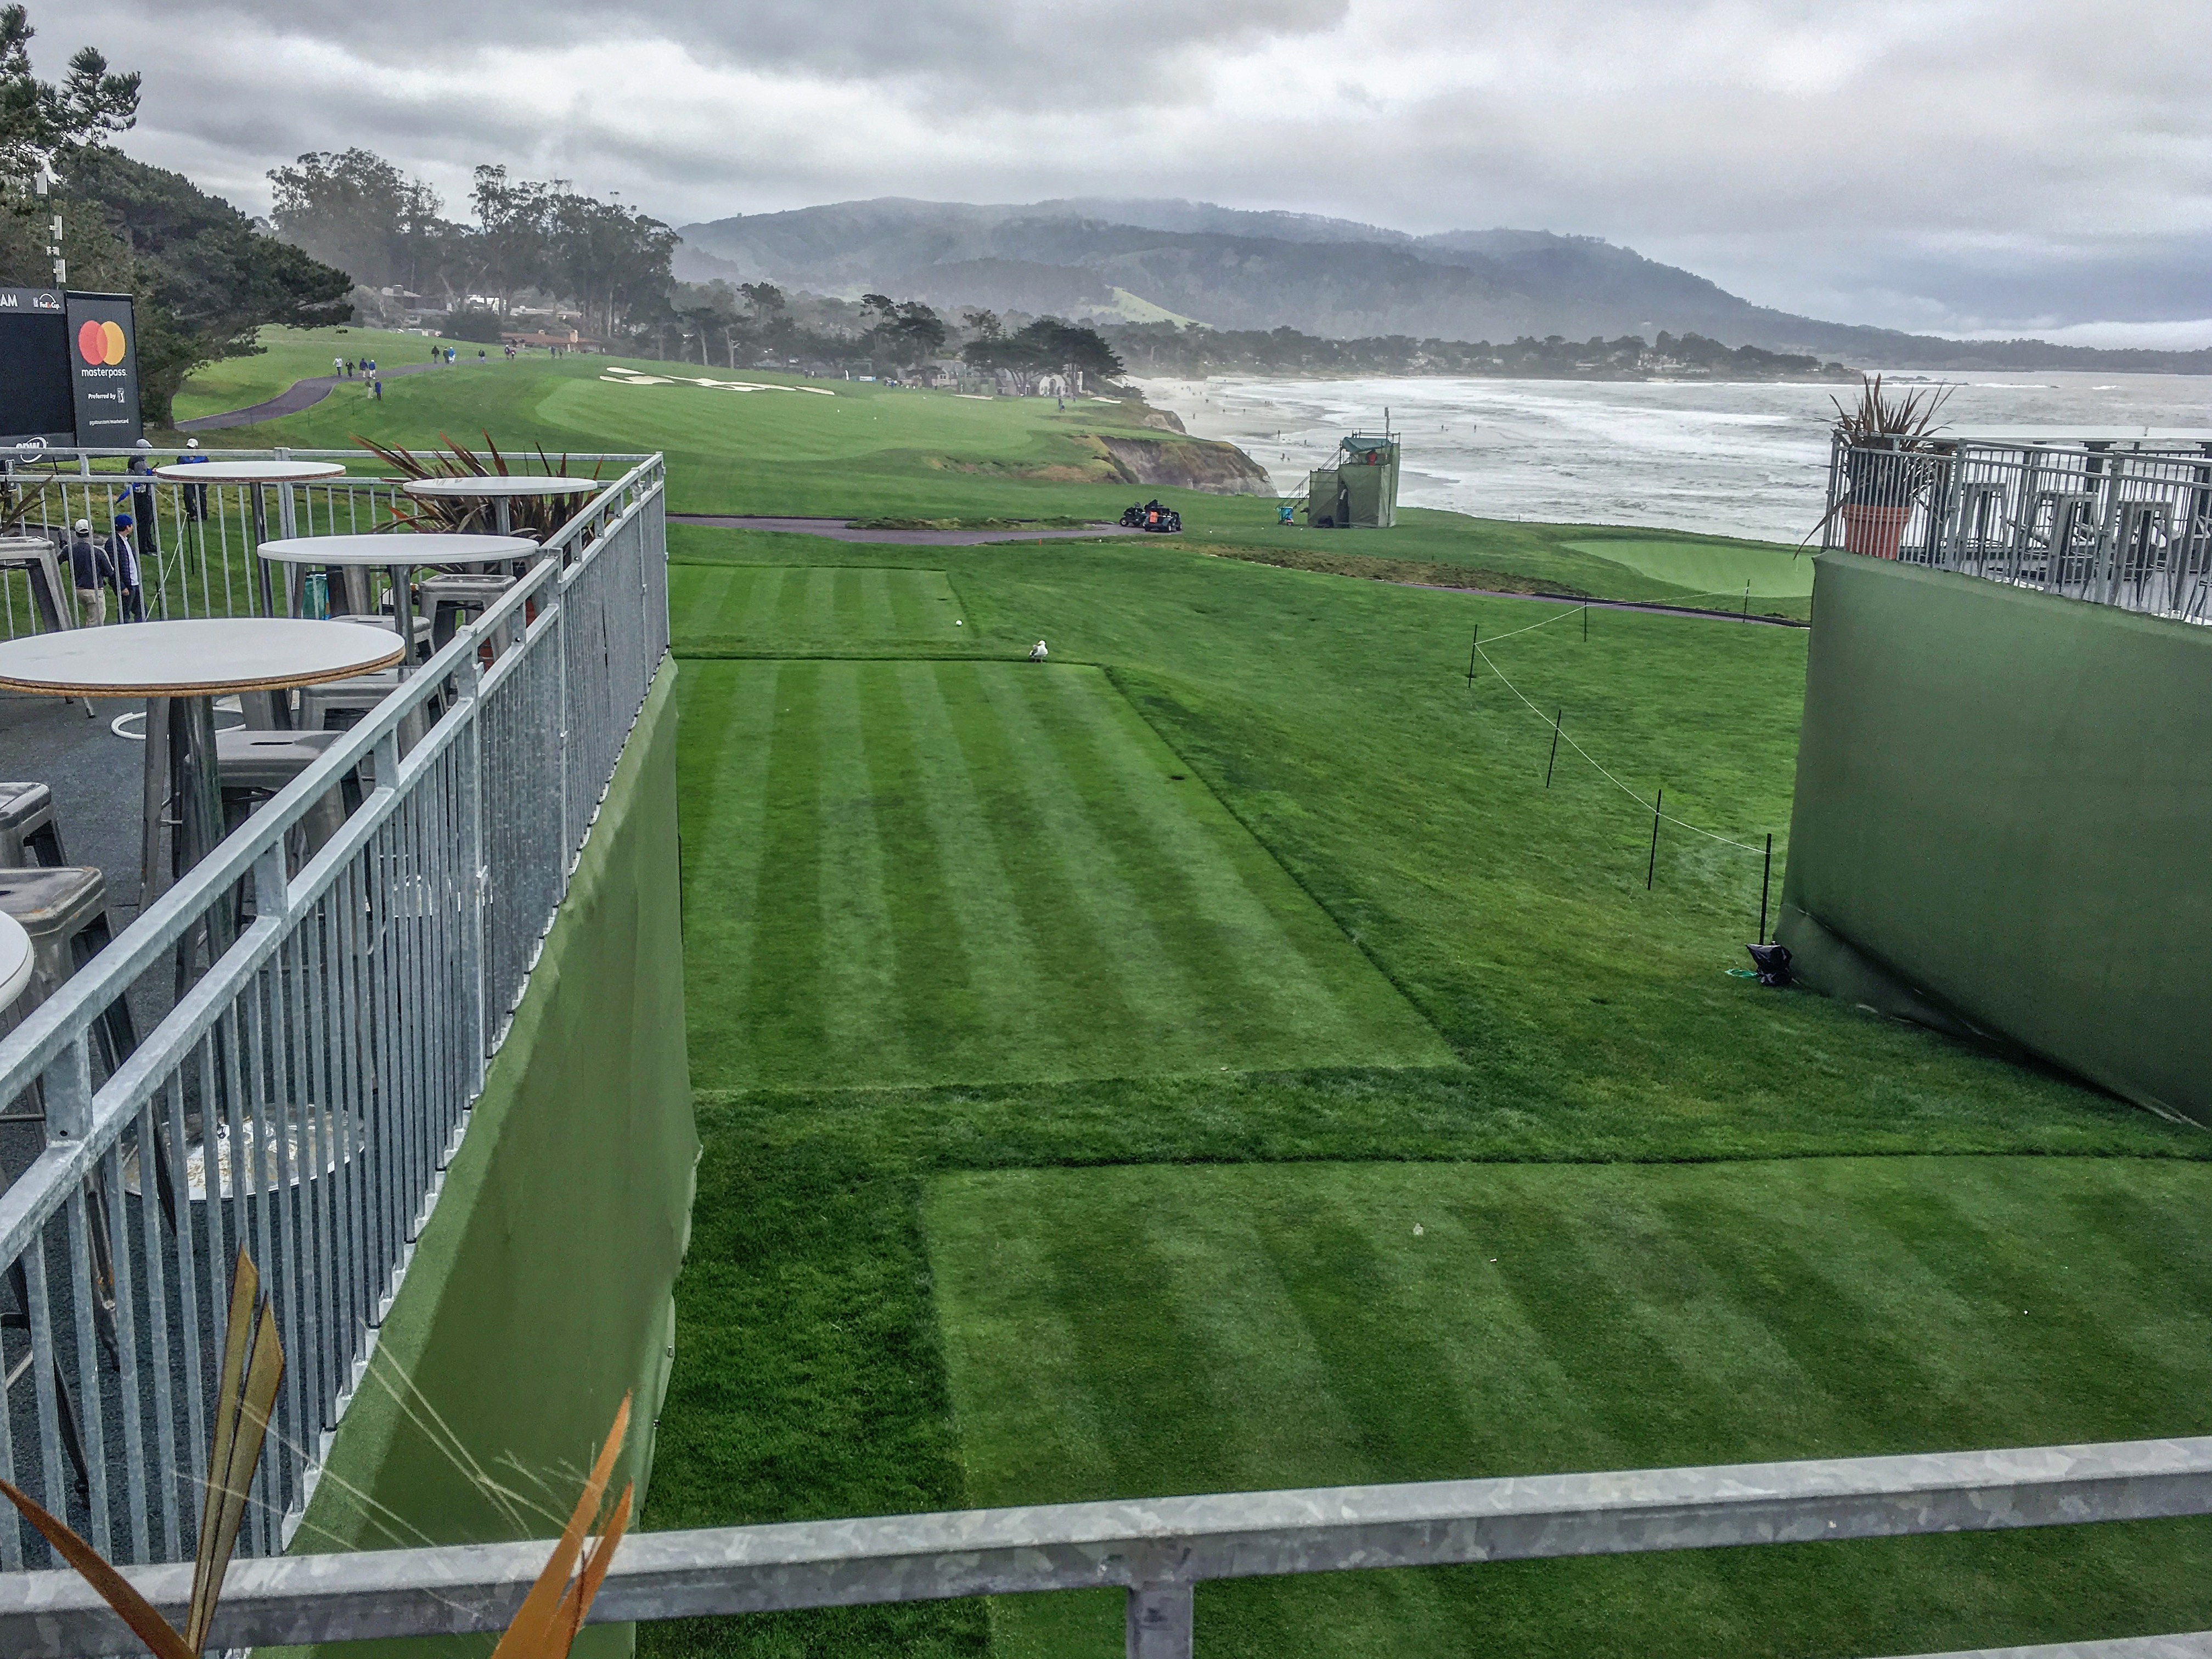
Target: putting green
(1137, 1330)
(1701, 568)
(911, 872)
(737, 606)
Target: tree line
(203, 277)
(1192, 350)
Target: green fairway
(856, 449)
(733, 608)
(295, 353)
(908, 873)
(1714, 569)
(1117, 1332)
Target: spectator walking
(338, 367)
(90, 570)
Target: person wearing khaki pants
(91, 570)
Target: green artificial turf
(1122, 1332)
(903, 873)
(814, 611)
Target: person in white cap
(90, 571)
(1037, 652)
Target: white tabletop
(388, 549)
(198, 659)
(15, 960)
(213, 472)
(486, 489)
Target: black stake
(1585, 622)
(1764, 877)
(1548, 764)
(1652, 870)
(1747, 617)
(1473, 645)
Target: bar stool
(29, 834)
(251, 765)
(64, 910)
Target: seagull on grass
(1037, 652)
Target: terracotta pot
(1876, 532)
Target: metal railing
(1158, 1550)
(2124, 525)
(326, 1017)
(196, 542)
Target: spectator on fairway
(1037, 652)
(338, 367)
(90, 570)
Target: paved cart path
(301, 394)
(843, 530)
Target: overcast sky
(1959, 165)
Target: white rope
(1650, 806)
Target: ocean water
(1739, 459)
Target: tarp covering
(2003, 805)
(541, 1289)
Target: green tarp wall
(540, 1291)
(2002, 809)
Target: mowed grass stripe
(1272, 964)
(778, 1001)
(1192, 1329)
(862, 1009)
(1015, 1003)
(808, 609)
(955, 877)
(1068, 839)
(728, 713)
(763, 606)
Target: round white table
(252, 475)
(16, 961)
(180, 668)
(399, 556)
(502, 492)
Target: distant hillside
(1336, 278)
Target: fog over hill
(1233, 268)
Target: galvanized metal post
(1158, 1622)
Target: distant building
(567, 341)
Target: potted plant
(1890, 459)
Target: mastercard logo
(100, 343)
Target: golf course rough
(923, 872)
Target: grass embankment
(1012, 1187)
(933, 460)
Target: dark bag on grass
(1772, 961)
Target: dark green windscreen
(2003, 821)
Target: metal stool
(64, 910)
(341, 702)
(447, 599)
(254, 765)
(28, 835)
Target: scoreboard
(69, 369)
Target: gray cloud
(1954, 164)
